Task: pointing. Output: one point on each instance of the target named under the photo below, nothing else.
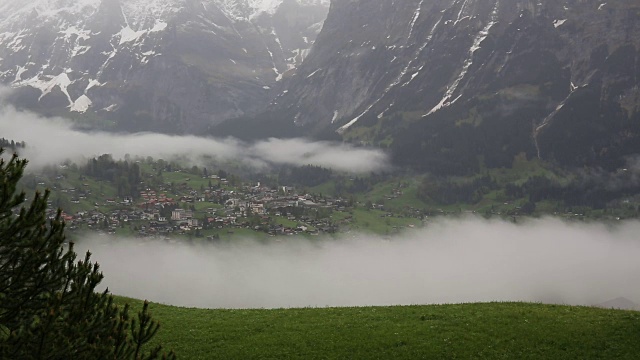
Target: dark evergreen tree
(49, 307)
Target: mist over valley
(449, 261)
(55, 140)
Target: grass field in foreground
(470, 331)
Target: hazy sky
(53, 140)
(450, 261)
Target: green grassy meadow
(468, 331)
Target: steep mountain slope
(451, 84)
(168, 65)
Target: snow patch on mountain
(398, 79)
(44, 9)
(557, 23)
(92, 83)
(416, 15)
(446, 99)
(81, 104)
(137, 12)
(127, 34)
(61, 81)
(250, 9)
(73, 31)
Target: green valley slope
(467, 331)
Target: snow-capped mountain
(250, 9)
(170, 65)
(454, 85)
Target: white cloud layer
(450, 261)
(52, 141)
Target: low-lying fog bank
(51, 141)
(450, 261)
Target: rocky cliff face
(452, 84)
(162, 65)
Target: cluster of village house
(150, 216)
